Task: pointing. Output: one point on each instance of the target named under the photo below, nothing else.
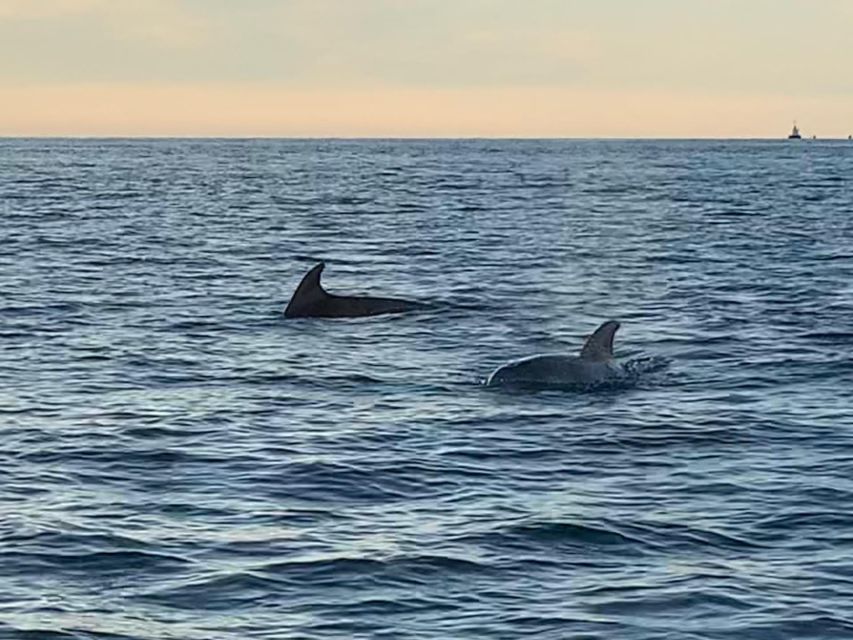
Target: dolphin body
(310, 300)
(594, 365)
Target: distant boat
(795, 133)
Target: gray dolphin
(594, 365)
(310, 300)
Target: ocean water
(178, 461)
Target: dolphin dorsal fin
(309, 292)
(599, 346)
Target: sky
(423, 68)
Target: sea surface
(178, 461)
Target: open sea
(178, 461)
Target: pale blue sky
(288, 67)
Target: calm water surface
(177, 461)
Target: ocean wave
(647, 537)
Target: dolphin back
(360, 306)
(538, 370)
(310, 300)
(551, 371)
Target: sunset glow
(616, 68)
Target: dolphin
(310, 300)
(594, 365)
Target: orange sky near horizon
(425, 68)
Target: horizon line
(75, 136)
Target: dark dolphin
(310, 300)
